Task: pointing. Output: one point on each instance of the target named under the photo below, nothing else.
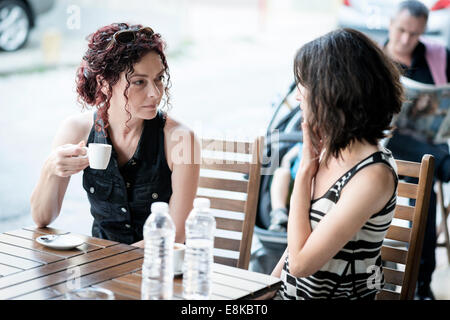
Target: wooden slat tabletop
(29, 270)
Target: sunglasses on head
(128, 35)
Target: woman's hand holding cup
(69, 159)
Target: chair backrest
(230, 175)
(403, 245)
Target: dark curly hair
(108, 62)
(354, 89)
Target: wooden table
(29, 270)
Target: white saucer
(60, 242)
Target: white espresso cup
(178, 258)
(98, 155)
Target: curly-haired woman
(124, 75)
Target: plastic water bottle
(157, 269)
(198, 259)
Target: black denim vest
(120, 198)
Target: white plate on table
(60, 242)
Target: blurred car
(373, 17)
(17, 18)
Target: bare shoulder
(374, 183)
(377, 176)
(182, 146)
(82, 121)
(380, 173)
(174, 130)
(74, 128)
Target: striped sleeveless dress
(355, 272)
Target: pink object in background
(436, 59)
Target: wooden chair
(443, 227)
(230, 175)
(403, 245)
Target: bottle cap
(202, 203)
(159, 207)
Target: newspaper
(425, 113)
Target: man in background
(425, 62)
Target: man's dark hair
(415, 8)
(353, 89)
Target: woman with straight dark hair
(124, 76)
(345, 189)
